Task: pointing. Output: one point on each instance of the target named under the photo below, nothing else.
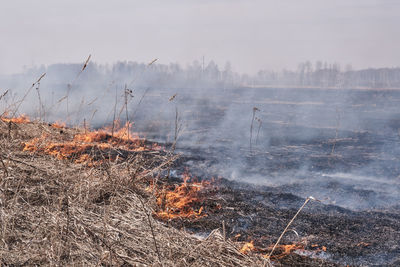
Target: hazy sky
(252, 34)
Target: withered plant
(60, 212)
(255, 109)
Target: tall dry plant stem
(4, 166)
(255, 109)
(336, 131)
(4, 94)
(138, 105)
(26, 94)
(140, 75)
(288, 225)
(69, 86)
(114, 113)
(259, 128)
(177, 130)
(41, 106)
(128, 93)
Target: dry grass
(55, 212)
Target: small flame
(21, 119)
(179, 201)
(81, 148)
(248, 247)
(59, 125)
(286, 250)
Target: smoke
(338, 145)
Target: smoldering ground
(274, 145)
(339, 145)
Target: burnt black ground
(367, 238)
(339, 146)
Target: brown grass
(55, 212)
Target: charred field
(74, 195)
(339, 146)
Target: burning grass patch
(181, 200)
(90, 147)
(57, 212)
(21, 119)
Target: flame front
(285, 250)
(282, 250)
(179, 201)
(21, 119)
(249, 246)
(88, 147)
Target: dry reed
(55, 212)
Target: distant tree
(227, 74)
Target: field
(70, 202)
(216, 181)
(339, 146)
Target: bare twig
(69, 86)
(115, 110)
(140, 75)
(288, 225)
(255, 109)
(336, 131)
(4, 94)
(41, 106)
(259, 127)
(4, 165)
(25, 95)
(140, 101)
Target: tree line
(210, 75)
(324, 75)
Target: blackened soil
(260, 214)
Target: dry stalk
(4, 94)
(127, 93)
(114, 112)
(288, 225)
(4, 166)
(69, 86)
(223, 230)
(140, 75)
(138, 105)
(177, 130)
(25, 95)
(336, 131)
(259, 127)
(255, 109)
(41, 106)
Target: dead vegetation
(61, 212)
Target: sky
(251, 34)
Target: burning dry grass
(90, 147)
(20, 119)
(57, 212)
(180, 200)
(282, 250)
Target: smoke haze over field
(318, 136)
(252, 35)
(333, 143)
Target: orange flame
(249, 246)
(81, 148)
(285, 250)
(179, 202)
(21, 119)
(59, 125)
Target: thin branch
(288, 225)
